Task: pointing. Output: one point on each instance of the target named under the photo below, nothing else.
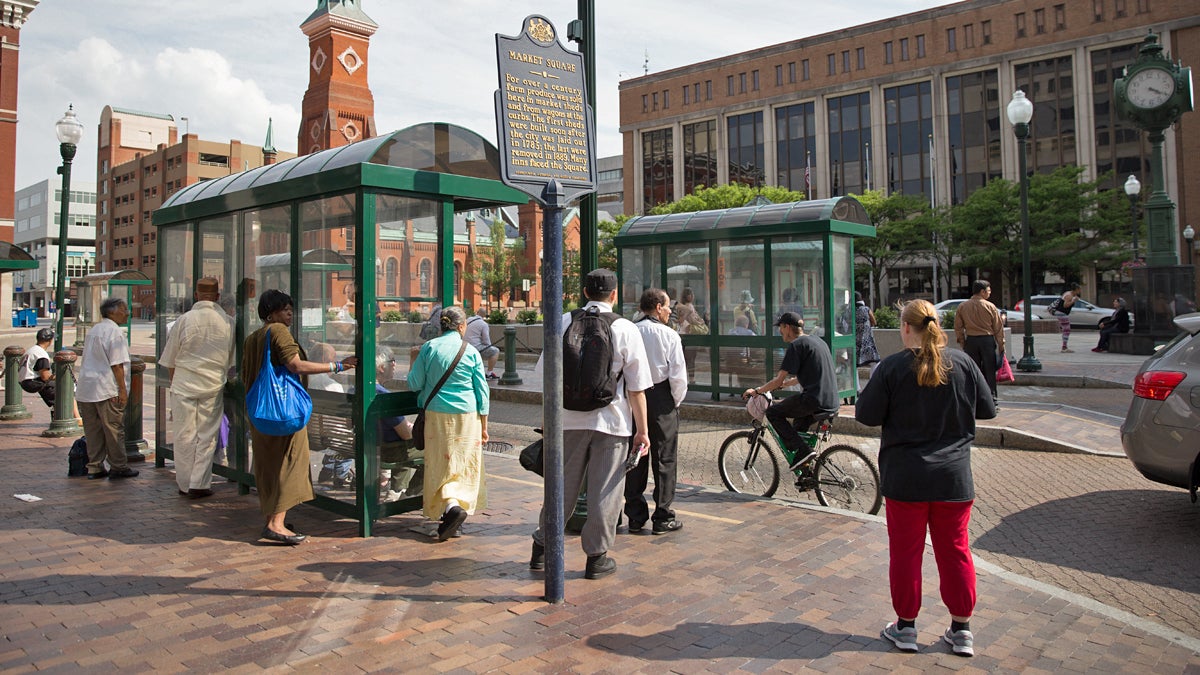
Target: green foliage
(726, 197)
(498, 316)
(886, 317)
(606, 251)
(528, 316)
(416, 317)
(393, 316)
(496, 267)
(331, 315)
(901, 224)
(947, 319)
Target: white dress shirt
(200, 349)
(664, 354)
(103, 348)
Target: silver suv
(1161, 433)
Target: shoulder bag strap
(446, 375)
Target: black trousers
(801, 409)
(44, 387)
(663, 419)
(982, 350)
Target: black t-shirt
(925, 447)
(808, 358)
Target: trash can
(26, 318)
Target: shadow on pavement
(1122, 527)
(763, 640)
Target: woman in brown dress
(281, 469)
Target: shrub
(948, 320)
(528, 316)
(886, 317)
(498, 317)
(392, 316)
(416, 317)
(331, 315)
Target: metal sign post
(547, 149)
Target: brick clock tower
(338, 107)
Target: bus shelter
(310, 227)
(744, 267)
(91, 290)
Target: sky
(228, 66)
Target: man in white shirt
(664, 359)
(198, 354)
(596, 442)
(479, 336)
(102, 391)
(37, 368)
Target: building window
(804, 71)
(1020, 19)
(708, 90)
(746, 153)
(903, 49)
(754, 81)
(699, 155)
(920, 46)
(458, 289)
(831, 63)
(860, 55)
(887, 52)
(729, 85)
(654, 101)
(1060, 17)
(1098, 10)
(969, 36)
(1050, 84)
(779, 75)
(741, 83)
(658, 173)
(1119, 6)
(645, 103)
(792, 72)
(795, 137)
(846, 61)
(666, 99)
(985, 27)
(390, 277)
(696, 92)
(1143, 6)
(1120, 149)
(1039, 21)
(849, 128)
(424, 277)
(685, 94)
(951, 40)
(908, 125)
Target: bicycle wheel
(847, 479)
(747, 465)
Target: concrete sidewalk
(101, 575)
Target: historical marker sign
(544, 126)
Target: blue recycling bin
(26, 318)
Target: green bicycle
(841, 476)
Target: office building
(38, 213)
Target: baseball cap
(791, 319)
(45, 335)
(600, 281)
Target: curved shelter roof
(431, 158)
(13, 257)
(840, 214)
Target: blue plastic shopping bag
(277, 404)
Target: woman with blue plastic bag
(281, 463)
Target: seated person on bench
(394, 436)
(37, 368)
(809, 361)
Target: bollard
(64, 422)
(14, 396)
(510, 357)
(134, 443)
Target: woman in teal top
(455, 424)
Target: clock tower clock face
(1150, 88)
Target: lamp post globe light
(1189, 235)
(1020, 112)
(1133, 190)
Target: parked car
(1083, 313)
(947, 305)
(1161, 433)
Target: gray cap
(46, 335)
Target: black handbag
(531, 458)
(418, 427)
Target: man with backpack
(605, 378)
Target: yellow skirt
(453, 463)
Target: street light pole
(69, 132)
(1188, 235)
(1020, 112)
(1133, 190)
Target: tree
(496, 268)
(897, 231)
(726, 197)
(606, 252)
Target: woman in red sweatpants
(927, 399)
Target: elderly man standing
(198, 355)
(102, 391)
(980, 331)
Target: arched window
(390, 278)
(459, 296)
(425, 275)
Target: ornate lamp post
(69, 131)
(1133, 190)
(1188, 235)
(1020, 111)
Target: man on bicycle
(806, 362)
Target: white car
(946, 305)
(1083, 313)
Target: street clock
(1154, 92)
(1150, 88)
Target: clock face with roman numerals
(1150, 88)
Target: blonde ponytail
(931, 364)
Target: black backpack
(588, 380)
(77, 458)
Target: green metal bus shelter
(311, 226)
(746, 266)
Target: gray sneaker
(961, 642)
(905, 639)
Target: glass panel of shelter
(406, 240)
(175, 250)
(845, 357)
(688, 271)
